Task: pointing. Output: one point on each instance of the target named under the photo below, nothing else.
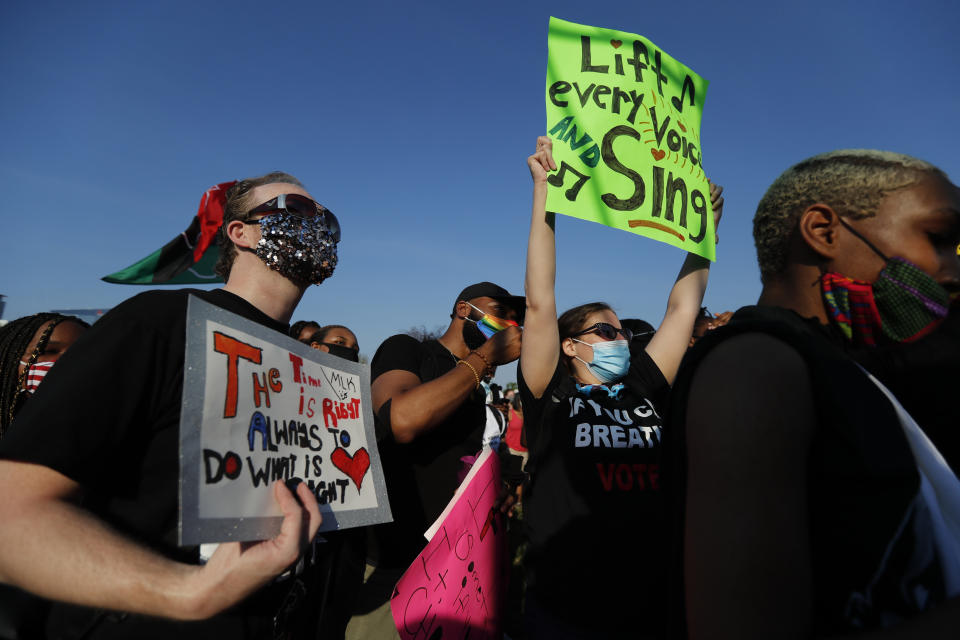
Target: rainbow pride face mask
(489, 325)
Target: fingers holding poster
(259, 407)
(625, 122)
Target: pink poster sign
(455, 586)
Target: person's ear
(819, 225)
(462, 310)
(241, 234)
(569, 347)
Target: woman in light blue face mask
(593, 402)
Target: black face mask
(353, 355)
(472, 336)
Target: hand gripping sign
(260, 407)
(624, 118)
(455, 587)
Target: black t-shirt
(421, 475)
(593, 509)
(107, 416)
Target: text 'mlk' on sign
(260, 407)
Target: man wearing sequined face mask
(801, 478)
(108, 426)
(295, 236)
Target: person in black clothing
(593, 409)
(344, 552)
(430, 413)
(90, 467)
(29, 347)
(805, 513)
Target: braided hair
(15, 337)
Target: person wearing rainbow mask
(430, 413)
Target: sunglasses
(606, 331)
(299, 207)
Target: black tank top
(870, 536)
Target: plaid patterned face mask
(902, 305)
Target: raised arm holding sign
(592, 403)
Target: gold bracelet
(475, 374)
(480, 355)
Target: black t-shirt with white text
(593, 509)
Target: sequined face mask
(301, 249)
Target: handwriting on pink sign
(455, 586)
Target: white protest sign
(260, 407)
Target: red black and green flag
(188, 258)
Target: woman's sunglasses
(298, 206)
(606, 331)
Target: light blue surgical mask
(611, 360)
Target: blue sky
(412, 122)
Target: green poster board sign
(624, 118)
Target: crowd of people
(783, 471)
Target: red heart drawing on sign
(616, 43)
(354, 466)
(657, 154)
(682, 128)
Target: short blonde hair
(851, 181)
(235, 208)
